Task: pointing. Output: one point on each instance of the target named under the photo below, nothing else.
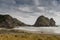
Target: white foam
(42, 29)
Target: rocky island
(44, 21)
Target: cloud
(39, 6)
(24, 2)
(29, 10)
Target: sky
(28, 11)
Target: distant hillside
(6, 21)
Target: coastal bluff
(7, 21)
(44, 21)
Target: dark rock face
(18, 23)
(6, 21)
(44, 21)
(52, 22)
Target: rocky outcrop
(44, 21)
(52, 22)
(6, 21)
(18, 23)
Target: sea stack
(44, 21)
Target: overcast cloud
(28, 10)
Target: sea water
(41, 29)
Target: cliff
(44, 21)
(6, 21)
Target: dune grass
(22, 35)
(28, 36)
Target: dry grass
(28, 37)
(21, 35)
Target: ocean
(40, 29)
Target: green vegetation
(44, 21)
(6, 21)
